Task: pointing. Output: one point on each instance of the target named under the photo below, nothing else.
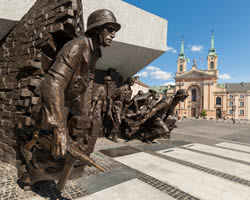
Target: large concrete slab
(234, 146)
(192, 181)
(219, 164)
(142, 38)
(97, 182)
(129, 190)
(221, 152)
(120, 151)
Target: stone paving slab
(130, 190)
(120, 151)
(101, 181)
(211, 162)
(118, 174)
(241, 148)
(192, 181)
(225, 153)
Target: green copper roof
(182, 55)
(161, 89)
(212, 50)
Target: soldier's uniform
(121, 99)
(66, 97)
(67, 88)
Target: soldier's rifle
(73, 154)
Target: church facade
(227, 101)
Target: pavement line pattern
(234, 146)
(159, 185)
(186, 178)
(162, 186)
(206, 137)
(229, 177)
(226, 153)
(221, 165)
(129, 190)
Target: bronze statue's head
(103, 23)
(140, 92)
(130, 81)
(155, 94)
(107, 79)
(182, 94)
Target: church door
(193, 112)
(218, 113)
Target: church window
(212, 65)
(241, 103)
(241, 112)
(181, 68)
(218, 101)
(193, 94)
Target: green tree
(203, 113)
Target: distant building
(219, 100)
(138, 85)
(169, 89)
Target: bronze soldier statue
(153, 119)
(120, 101)
(157, 118)
(65, 121)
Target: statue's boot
(114, 138)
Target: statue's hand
(59, 146)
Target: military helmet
(152, 91)
(140, 92)
(101, 17)
(181, 92)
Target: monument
(53, 109)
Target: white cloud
(196, 47)
(171, 49)
(155, 73)
(224, 76)
(152, 68)
(142, 74)
(161, 75)
(168, 83)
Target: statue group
(73, 110)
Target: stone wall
(26, 53)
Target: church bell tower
(181, 62)
(212, 57)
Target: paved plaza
(203, 160)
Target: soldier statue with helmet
(120, 101)
(156, 121)
(67, 131)
(158, 118)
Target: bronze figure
(52, 107)
(119, 102)
(69, 119)
(154, 122)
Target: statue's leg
(160, 129)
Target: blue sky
(195, 19)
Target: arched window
(181, 68)
(212, 65)
(193, 94)
(218, 100)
